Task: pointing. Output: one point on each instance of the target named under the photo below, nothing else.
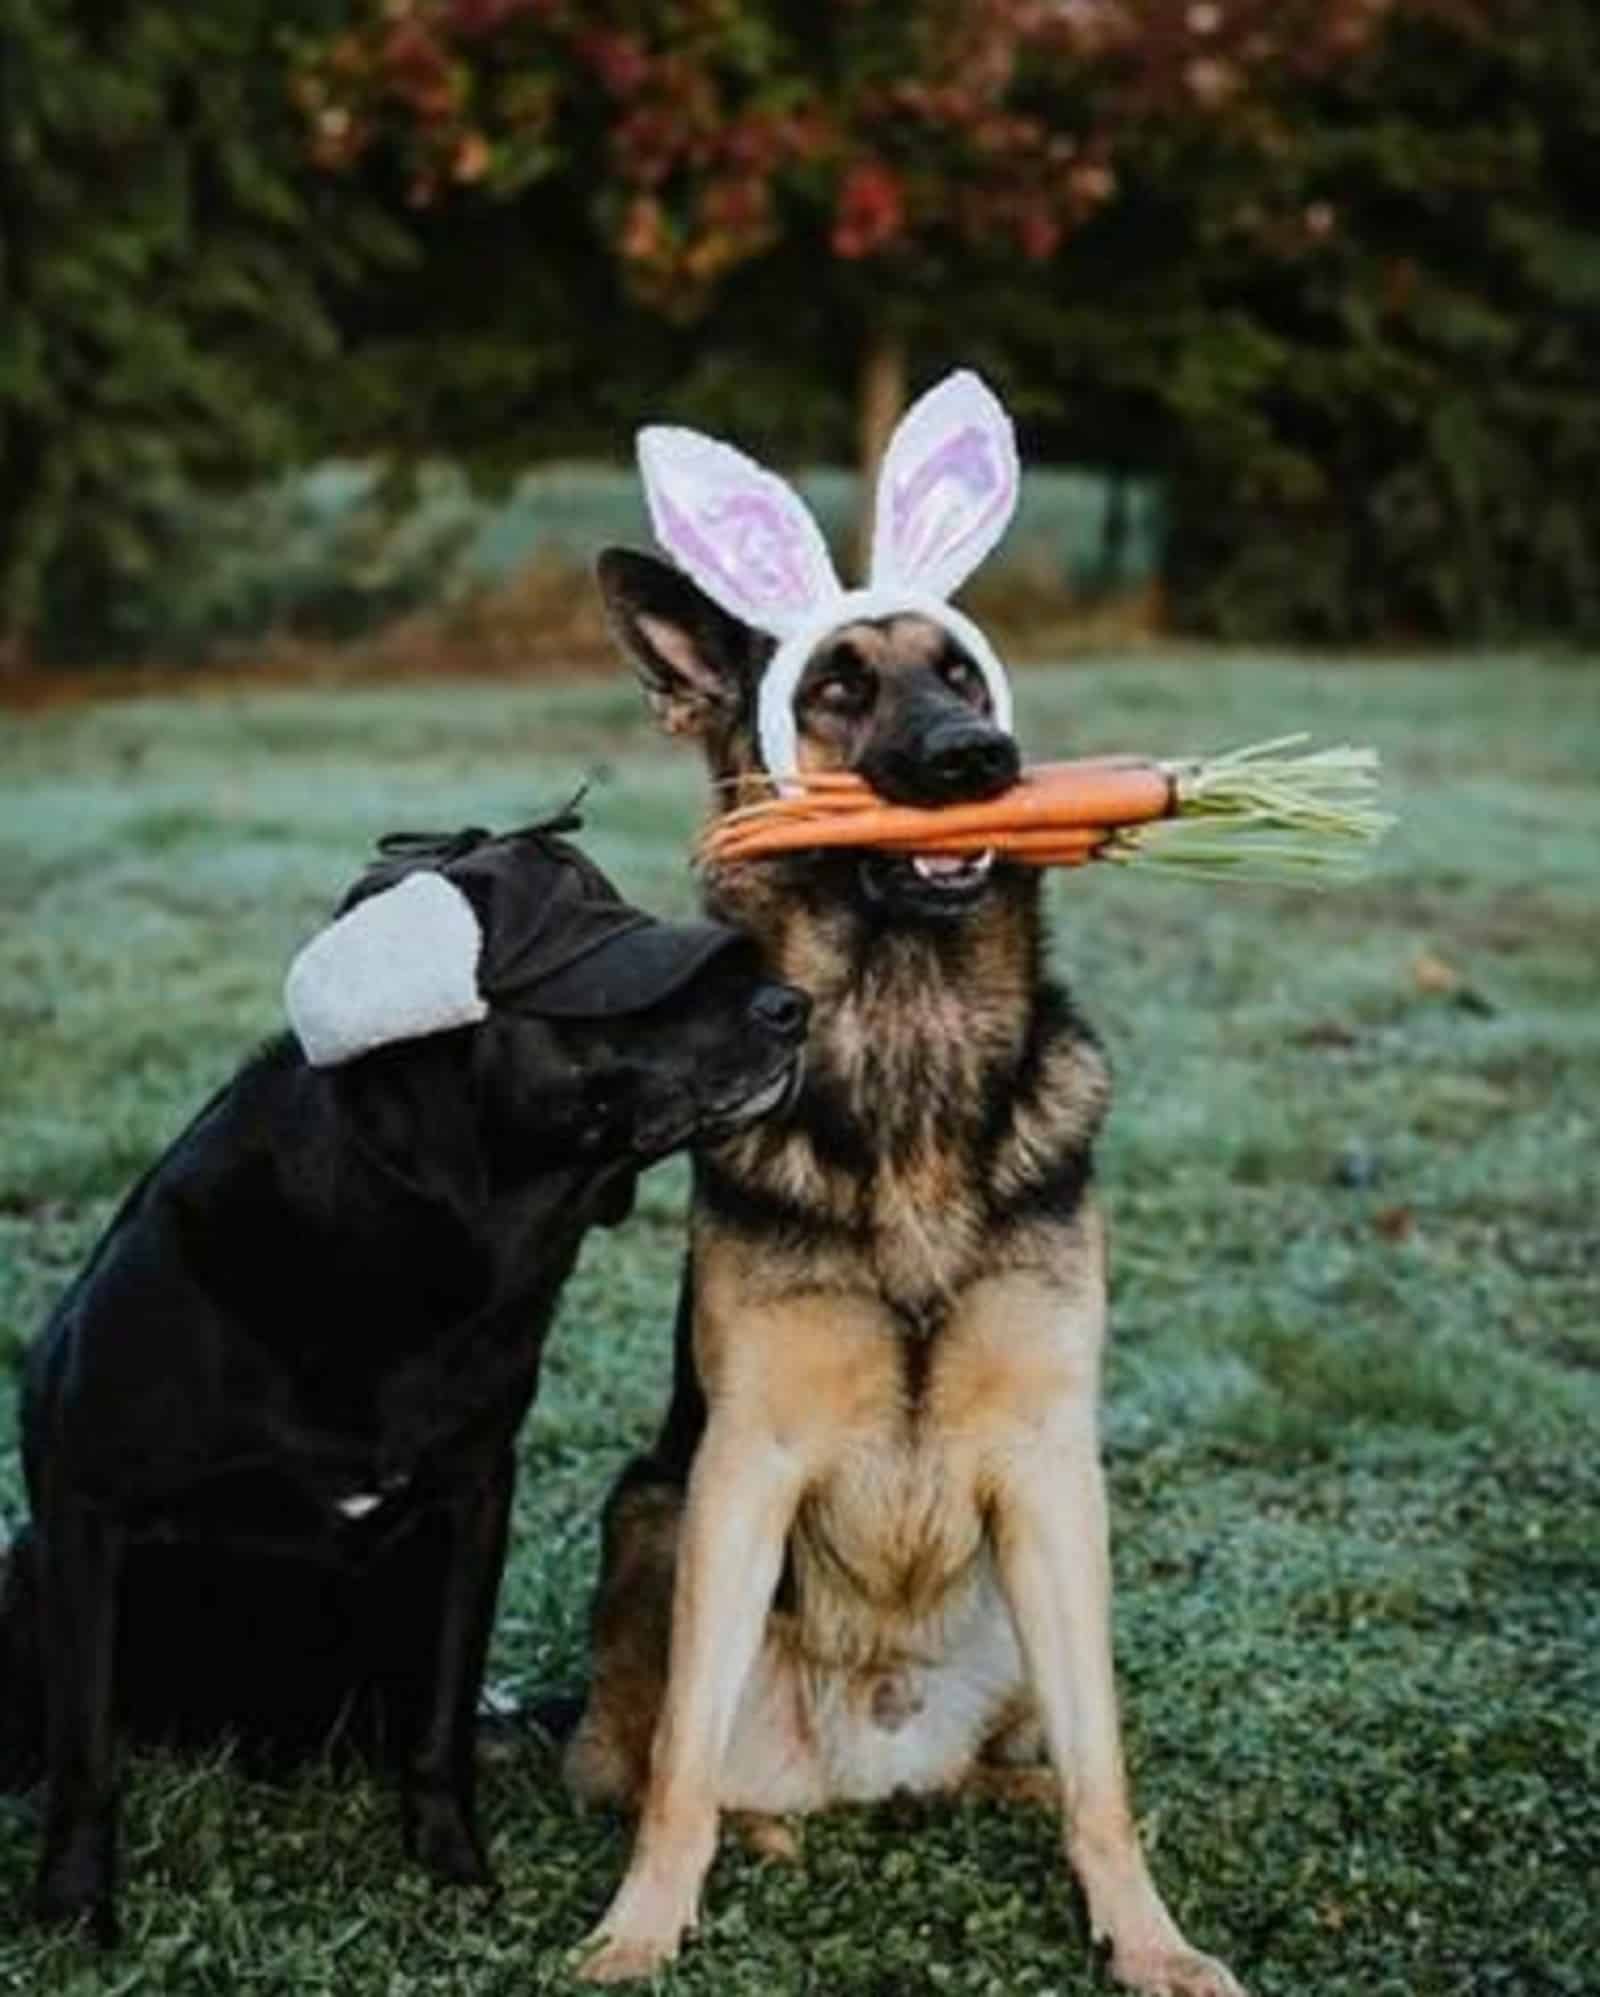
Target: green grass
(1353, 1402)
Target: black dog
(267, 1433)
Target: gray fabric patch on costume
(399, 965)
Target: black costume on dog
(267, 1433)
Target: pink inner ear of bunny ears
(927, 536)
(947, 489)
(758, 563)
(744, 535)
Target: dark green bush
(1412, 450)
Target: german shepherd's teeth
(952, 868)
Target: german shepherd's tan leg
(1052, 1542)
(743, 1493)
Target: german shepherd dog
(868, 1551)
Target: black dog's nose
(964, 759)
(782, 1010)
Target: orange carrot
(1271, 811)
(1053, 800)
(1033, 839)
(1049, 846)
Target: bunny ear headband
(946, 493)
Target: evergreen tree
(1426, 355)
(1366, 355)
(162, 249)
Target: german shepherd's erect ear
(699, 665)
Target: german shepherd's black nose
(956, 760)
(782, 1009)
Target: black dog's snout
(782, 1010)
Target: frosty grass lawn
(1354, 1421)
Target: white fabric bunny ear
(745, 537)
(947, 489)
(399, 965)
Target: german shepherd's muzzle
(910, 713)
(929, 748)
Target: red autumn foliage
(871, 210)
(697, 131)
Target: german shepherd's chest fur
(889, 1552)
(895, 1235)
(950, 1101)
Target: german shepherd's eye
(843, 685)
(962, 677)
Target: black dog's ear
(696, 661)
(415, 1106)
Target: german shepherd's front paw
(640, 1932)
(612, 1958)
(1174, 1972)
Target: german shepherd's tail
(22, 1717)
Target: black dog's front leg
(440, 1775)
(80, 1553)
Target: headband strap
(780, 682)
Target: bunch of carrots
(1261, 813)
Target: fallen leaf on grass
(1435, 978)
(1433, 975)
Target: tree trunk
(880, 403)
(15, 657)
(33, 514)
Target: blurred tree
(1331, 269)
(861, 178)
(1366, 353)
(162, 245)
(1413, 430)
